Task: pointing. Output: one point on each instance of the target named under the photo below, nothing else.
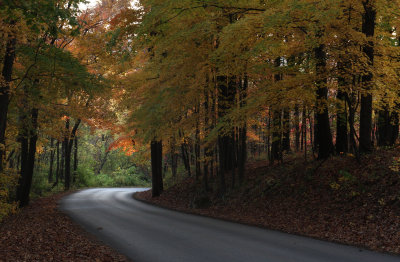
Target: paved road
(147, 233)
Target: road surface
(146, 233)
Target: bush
(8, 181)
(85, 177)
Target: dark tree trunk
(52, 153)
(67, 158)
(68, 143)
(186, 157)
(276, 146)
(297, 127)
(394, 124)
(341, 125)
(174, 158)
(197, 149)
(242, 152)
(383, 127)
(304, 127)
(11, 158)
(322, 131)
(388, 127)
(57, 163)
(286, 131)
(8, 64)
(28, 150)
(207, 128)
(75, 159)
(156, 168)
(62, 161)
(368, 28)
(226, 99)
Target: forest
(154, 92)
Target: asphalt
(146, 233)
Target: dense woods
(193, 87)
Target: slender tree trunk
(226, 100)
(304, 126)
(28, 150)
(394, 124)
(207, 128)
(58, 163)
(75, 159)
(186, 157)
(341, 125)
(174, 157)
(156, 168)
(323, 132)
(8, 64)
(276, 147)
(52, 152)
(67, 157)
(68, 143)
(242, 152)
(368, 28)
(297, 127)
(197, 148)
(286, 131)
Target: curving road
(146, 233)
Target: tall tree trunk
(186, 157)
(297, 127)
(394, 123)
(68, 143)
(8, 64)
(226, 100)
(323, 131)
(286, 130)
(174, 157)
(51, 164)
(304, 127)
(197, 149)
(57, 164)
(75, 159)
(368, 28)
(28, 151)
(62, 162)
(242, 152)
(383, 127)
(156, 168)
(67, 158)
(341, 124)
(276, 147)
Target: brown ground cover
(40, 232)
(341, 200)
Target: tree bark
(226, 138)
(156, 168)
(286, 131)
(51, 164)
(242, 152)
(297, 127)
(75, 159)
(322, 131)
(8, 65)
(68, 143)
(341, 125)
(368, 28)
(28, 151)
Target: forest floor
(40, 232)
(340, 200)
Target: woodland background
(127, 93)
